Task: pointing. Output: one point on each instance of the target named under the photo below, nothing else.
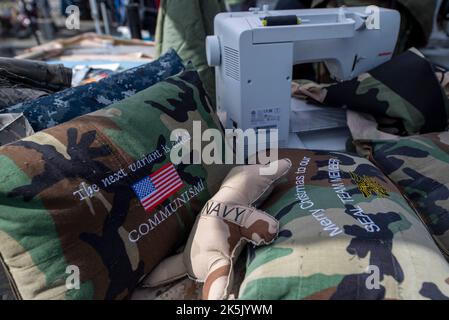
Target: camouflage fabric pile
(69, 195)
(183, 25)
(346, 232)
(419, 166)
(63, 106)
(404, 95)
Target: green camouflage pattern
(403, 103)
(183, 26)
(346, 232)
(46, 228)
(418, 165)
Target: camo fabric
(227, 222)
(403, 94)
(419, 166)
(63, 106)
(183, 25)
(346, 232)
(69, 204)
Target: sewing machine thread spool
(289, 20)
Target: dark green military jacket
(183, 25)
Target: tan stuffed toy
(228, 220)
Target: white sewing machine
(254, 53)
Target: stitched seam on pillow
(272, 182)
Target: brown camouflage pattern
(45, 227)
(346, 232)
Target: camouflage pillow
(72, 197)
(404, 94)
(419, 165)
(346, 232)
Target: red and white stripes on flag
(158, 186)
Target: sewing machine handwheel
(213, 52)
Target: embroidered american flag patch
(158, 186)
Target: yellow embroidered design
(369, 186)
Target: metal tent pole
(105, 16)
(95, 16)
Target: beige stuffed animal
(228, 220)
